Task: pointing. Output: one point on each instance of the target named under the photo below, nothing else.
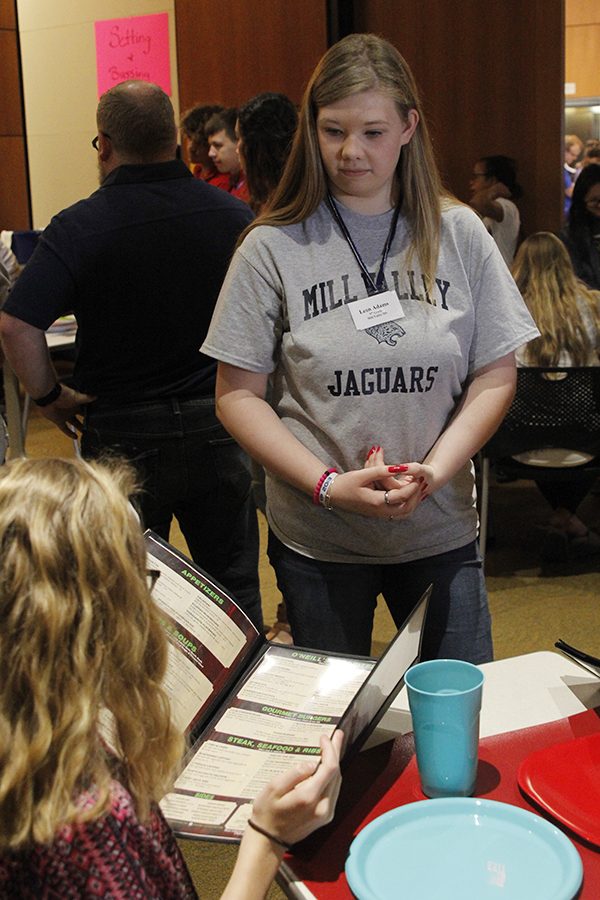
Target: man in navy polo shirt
(140, 262)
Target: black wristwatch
(50, 397)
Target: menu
(253, 708)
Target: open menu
(253, 708)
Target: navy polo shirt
(140, 262)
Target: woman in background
(494, 189)
(79, 633)
(591, 154)
(265, 128)
(573, 150)
(581, 234)
(568, 317)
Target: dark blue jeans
(190, 468)
(330, 605)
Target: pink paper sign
(137, 47)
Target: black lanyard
(379, 283)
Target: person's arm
(4, 283)
(480, 411)
(485, 202)
(291, 807)
(257, 428)
(27, 353)
(482, 408)
(4, 288)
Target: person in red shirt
(222, 150)
(195, 145)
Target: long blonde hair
(544, 275)
(362, 62)
(79, 632)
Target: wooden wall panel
(14, 188)
(11, 117)
(581, 64)
(228, 52)
(8, 15)
(14, 185)
(581, 12)
(491, 76)
(582, 47)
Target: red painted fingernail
(371, 452)
(396, 469)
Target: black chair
(552, 408)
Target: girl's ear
(410, 125)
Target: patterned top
(113, 857)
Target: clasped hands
(382, 491)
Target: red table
(385, 777)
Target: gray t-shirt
(283, 310)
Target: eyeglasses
(95, 140)
(152, 576)
(595, 201)
(480, 175)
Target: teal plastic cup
(444, 696)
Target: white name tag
(376, 310)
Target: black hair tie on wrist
(267, 834)
(50, 397)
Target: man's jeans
(191, 468)
(330, 605)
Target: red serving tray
(385, 777)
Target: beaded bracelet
(325, 492)
(319, 485)
(268, 835)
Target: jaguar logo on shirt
(386, 333)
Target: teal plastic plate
(462, 849)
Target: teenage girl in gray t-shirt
(386, 320)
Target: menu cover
(253, 708)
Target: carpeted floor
(532, 606)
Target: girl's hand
(375, 458)
(419, 474)
(362, 491)
(296, 803)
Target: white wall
(60, 90)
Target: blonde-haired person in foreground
(567, 314)
(385, 318)
(79, 632)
